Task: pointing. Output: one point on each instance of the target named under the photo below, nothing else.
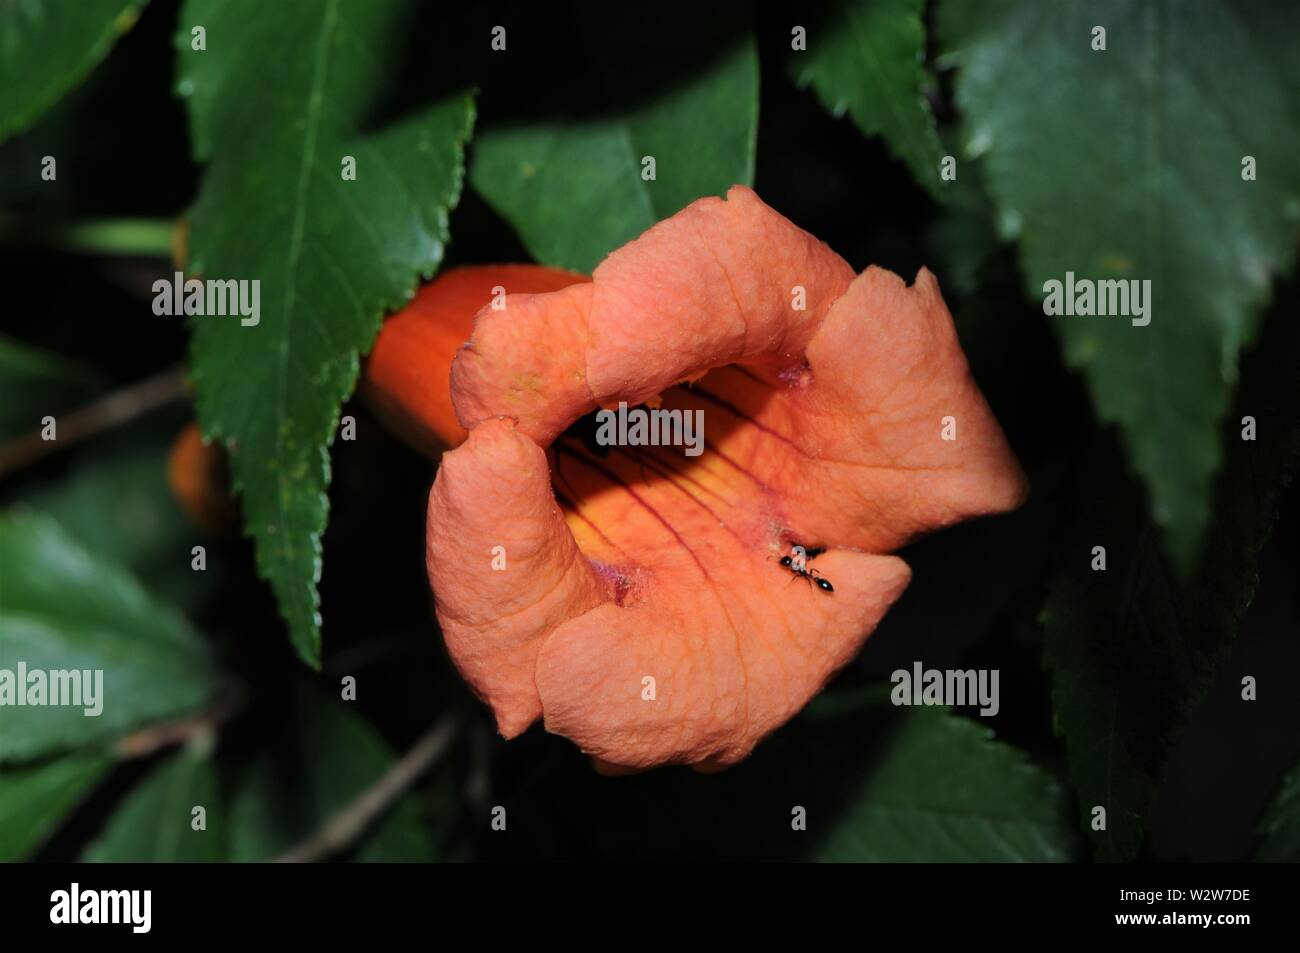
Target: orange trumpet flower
(634, 597)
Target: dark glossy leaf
(571, 179)
(1126, 164)
(1132, 650)
(943, 790)
(867, 58)
(1281, 823)
(155, 823)
(47, 47)
(119, 505)
(65, 609)
(963, 237)
(35, 798)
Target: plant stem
(344, 827)
(146, 237)
(118, 236)
(111, 410)
(147, 740)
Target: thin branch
(111, 410)
(344, 827)
(142, 743)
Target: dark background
(973, 601)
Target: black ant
(801, 569)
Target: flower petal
(527, 362)
(408, 373)
(727, 670)
(855, 446)
(718, 283)
(495, 491)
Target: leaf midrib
(311, 133)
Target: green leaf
(65, 609)
(155, 822)
(868, 59)
(322, 758)
(1127, 164)
(963, 237)
(120, 507)
(571, 183)
(1281, 823)
(47, 47)
(1131, 649)
(34, 798)
(331, 255)
(943, 790)
(36, 382)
